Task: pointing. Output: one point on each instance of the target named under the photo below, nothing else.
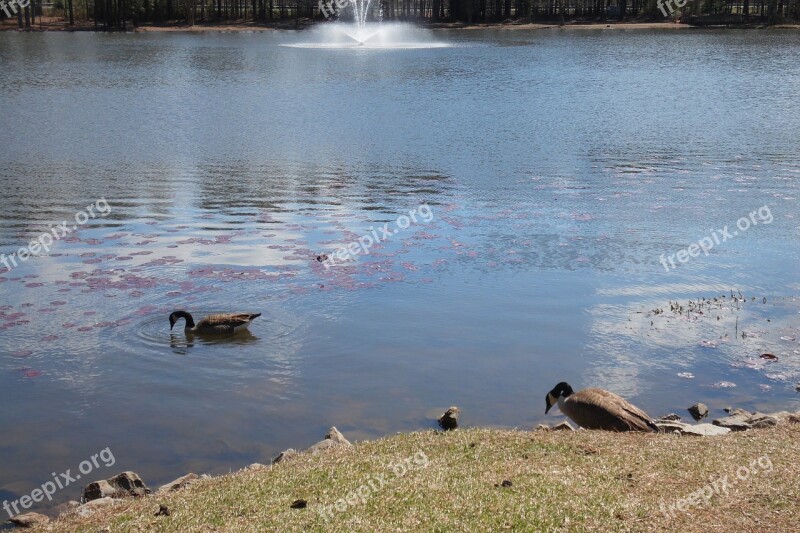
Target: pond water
(547, 172)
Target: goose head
(562, 390)
(181, 314)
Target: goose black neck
(187, 316)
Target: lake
(557, 186)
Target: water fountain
(361, 34)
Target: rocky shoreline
(102, 494)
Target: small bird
(598, 409)
(214, 324)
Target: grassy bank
(454, 482)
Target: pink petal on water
(92, 261)
(84, 328)
(50, 338)
(34, 285)
(31, 373)
(22, 353)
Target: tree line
(126, 14)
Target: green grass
(561, 481)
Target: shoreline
(481, 479)
(55, 24)
(764, 439)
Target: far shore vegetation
(128, 15)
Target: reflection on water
(558, 168)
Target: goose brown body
(219, 324)
(595, 408)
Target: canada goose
(598, 409)
(219, 324)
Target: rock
(67, 508)
(734, 422)
(163, 510)
(333, 439)
(336, 436)
(119, 486)
(563, 426)
(285, 455)
(257, 466)
(698, 411)
(797, 387)
(449, 420)
(794, 419)
(178, 483)
(781, 416)
(542, 427)
(322, 445)
(705, 430)
(505, 484)
(29, 520)
(761, 421)
(299, 504)
(205, 476)
(670, 426)
(672, 417)
(91, 507)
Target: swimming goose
(219, 324)
(598, 409)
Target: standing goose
(214, 324)
(598, 409)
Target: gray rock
(449, 420)
(734, 422)
(672, 417)
(285, 455)
(563, 426)
(333, 439)
(705, 430)
(760, 421)
(119, 486)
(698, 411)
(670, 426)
(93, 506)
(336, 436)
(257, 466)
(178, 484)
(542, 427)
(322, 445)
(29, 520)
(781, 416)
